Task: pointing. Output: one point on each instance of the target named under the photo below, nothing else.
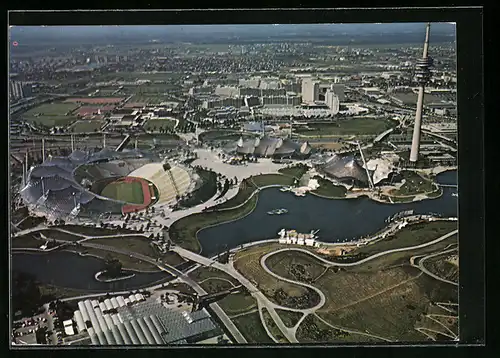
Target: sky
(193, 32)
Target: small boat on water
(286, 188)
(278, 211)
(454, 194)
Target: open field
(271, 179)
(157, 88)
(247, 262)
(393, 313)
(352, 126)
(52, 121)
(272, 327)
(443, 267)
(329, 190)
(157, 124)
(30, 241)
(352, 287)
(128, 262)
(83, 126)
(313, 330)
(251, 327)
(183, 232)
(208, 273)
(237, 303)
(52, 109)
(295, 171)
(289, 318)
(295, 265)
(130, 192)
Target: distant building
(18, 90)
(332, 101)
(310, 90)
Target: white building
(310, 90)
(332, 101)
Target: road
(175, 272)
(262, 300)
(426, 271)
(369, 258)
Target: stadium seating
(155, 173)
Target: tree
(113, 266)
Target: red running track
(146, 192)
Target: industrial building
(135, 320)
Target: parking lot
(39, 329)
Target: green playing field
(128, 192)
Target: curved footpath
(369, 258)
(322, 297)
(426, 271)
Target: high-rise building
(332, 101)
(310, 90)
(16, 90)
(422, 74)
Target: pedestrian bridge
(448, 185)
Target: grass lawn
(183, 232)
(295, 171)
(272, 327)
(414, 184)
(329, 190)
(289, 318)
(237, 303)
(439, 265)
(85, 126)
(270, 179)
(128, 262)
(52, 121)
(52, 109)
(391, 311)
(411, 235)
(128, 192)
(205, 273)
(142, 246)
(313, 330)
(251, 328)
(31, 241)
(295, 265)
(247, 262)
(156, 124)
(207, 189)
(364, 126)
(246, 189)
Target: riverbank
(184, 232)
(98, 277)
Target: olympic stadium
(89, 185)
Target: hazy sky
(226, 29)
